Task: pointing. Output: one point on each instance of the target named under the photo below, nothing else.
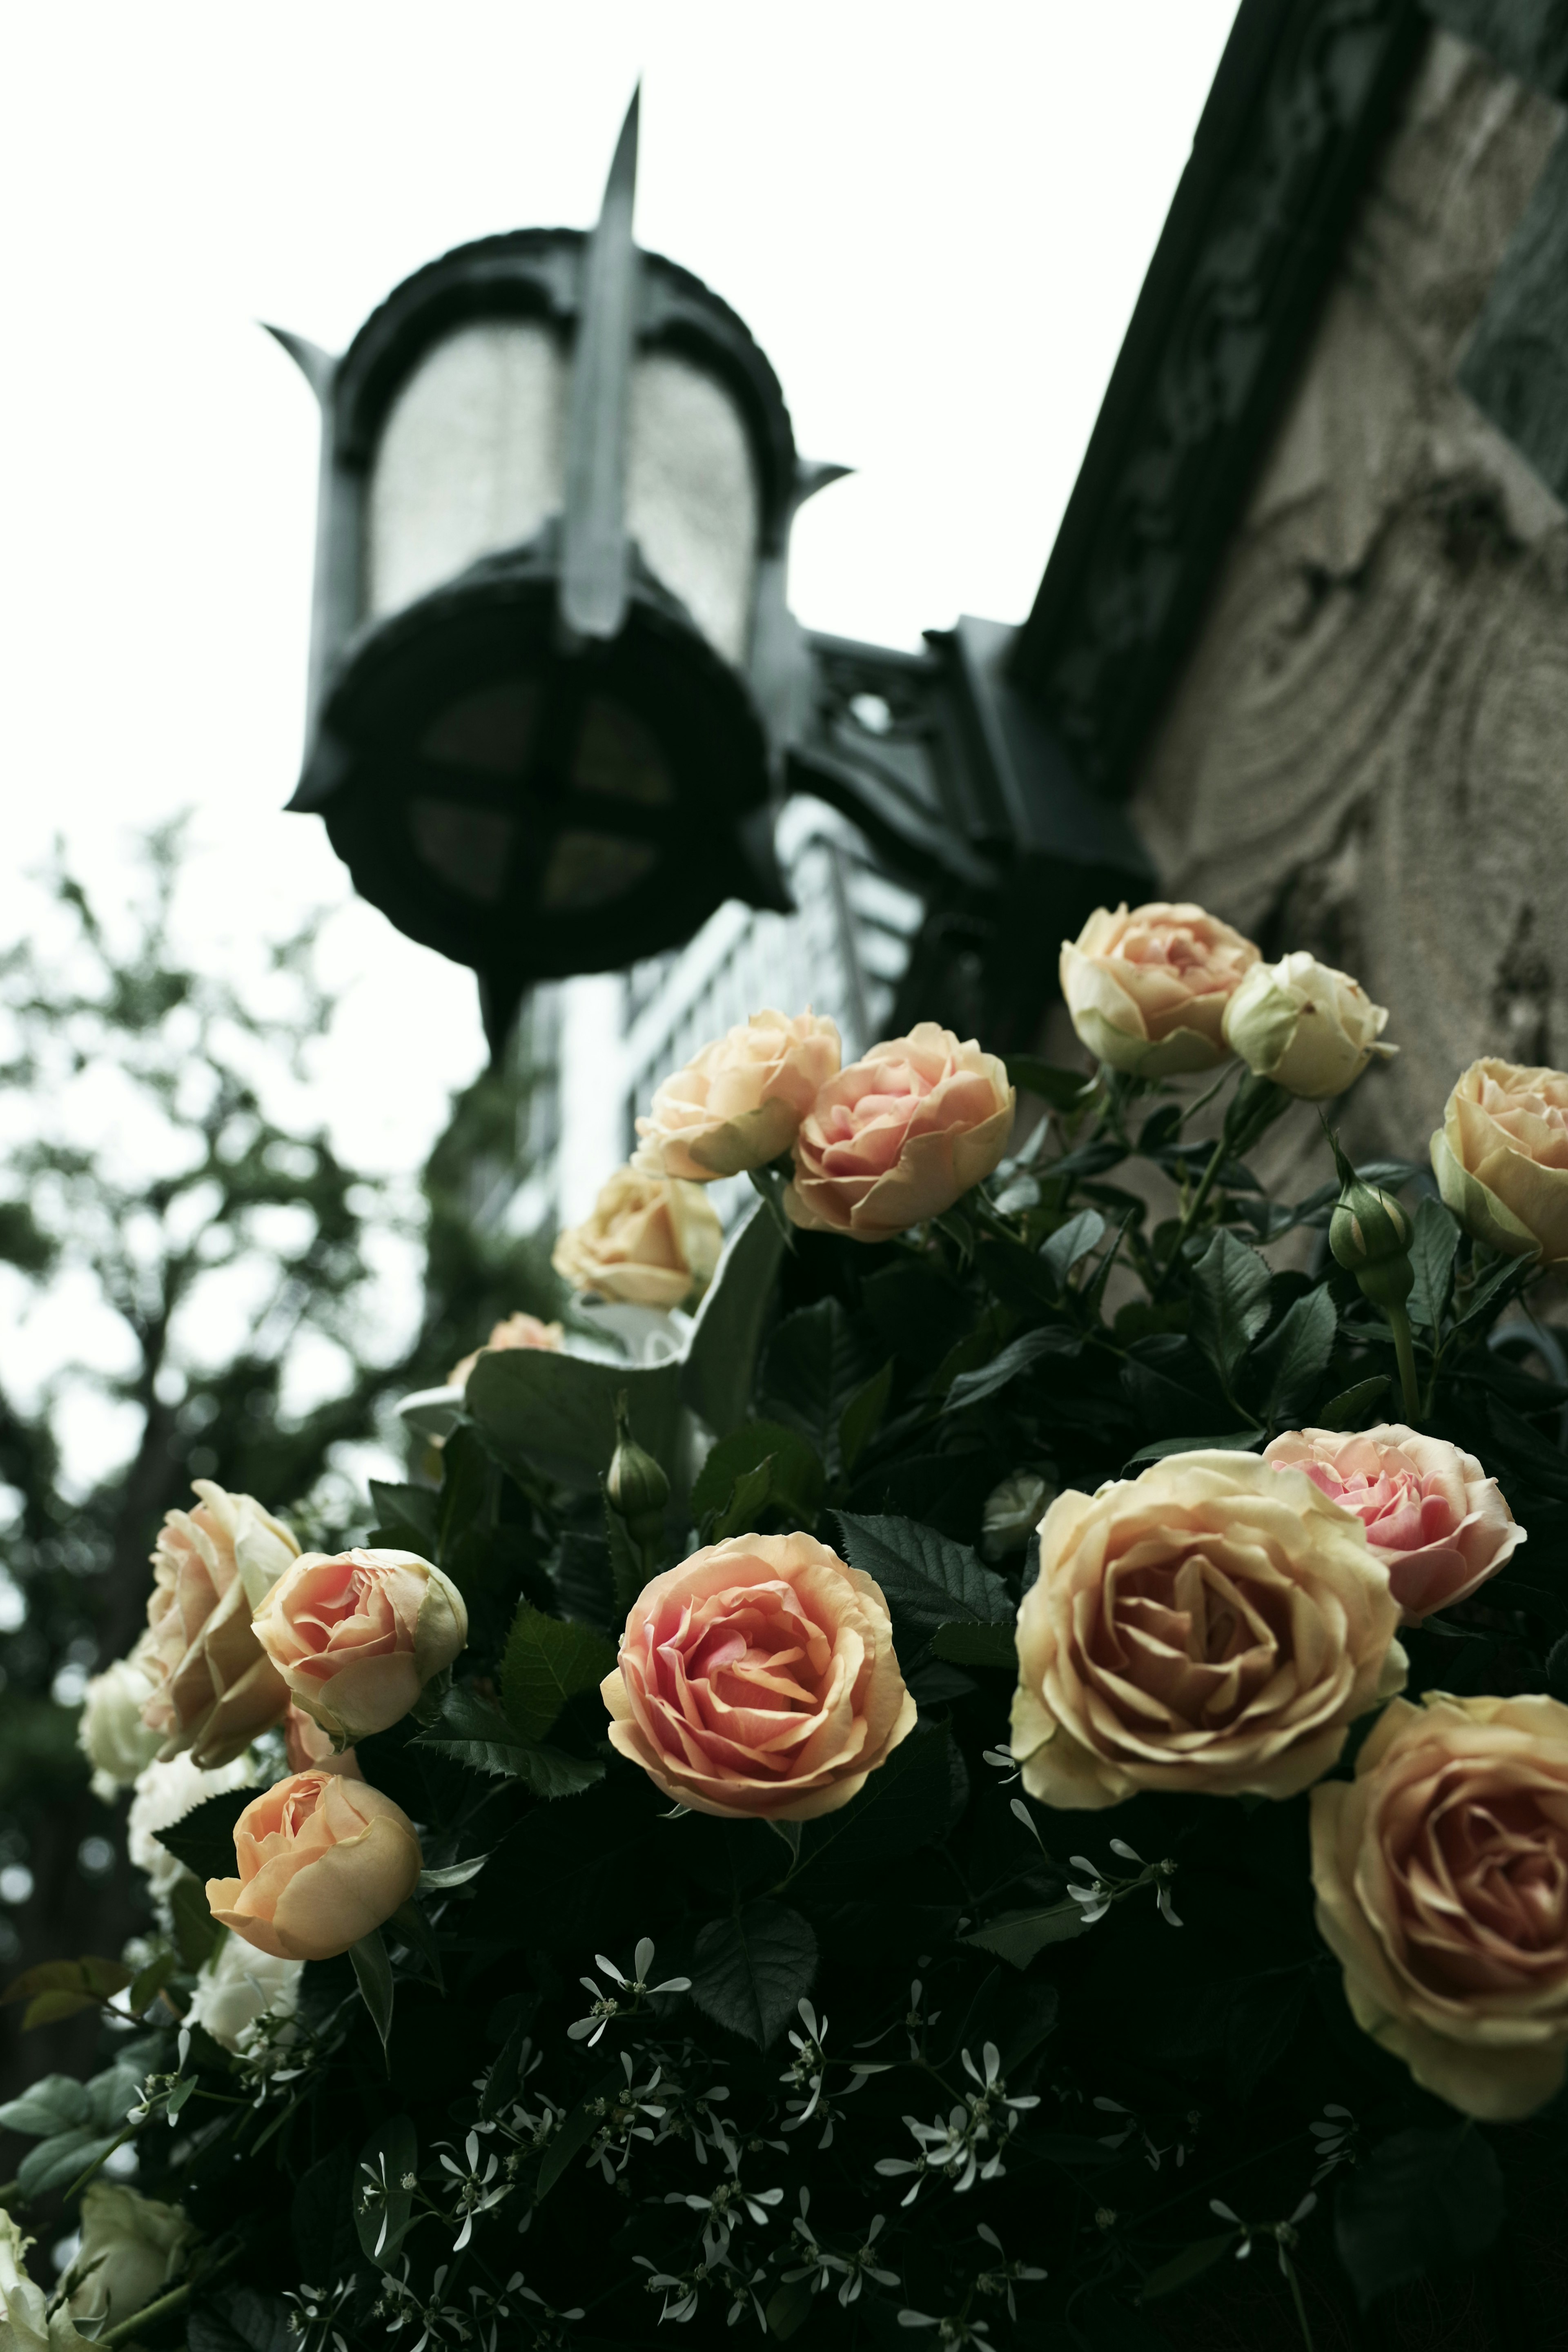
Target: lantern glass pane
(471, 458)
(469, 848)
(616, 755)
(493, 730)
(692, 499)
(589, 869)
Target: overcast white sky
(934, 219)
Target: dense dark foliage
(910, 2082)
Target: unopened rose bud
(636, 1488)
(1369, 1234)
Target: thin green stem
(1404, 1348)
(1191, 1214)
(125, 2329)
(1301, 2307)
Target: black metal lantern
(556, 692)
(558, 477)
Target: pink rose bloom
(758, 1679)
(322, 1861)
(1147, 990)
(357, 1635)
(1438, 1524)
(897, 1138)
(739, 1102)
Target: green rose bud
(636, 1488)
(1369, 1234)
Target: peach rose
(213, 1687)
(323, 1860)
(1147, 990)
(1213, 1626)
(1309, 1028)
(758, 1679)
(740, 1102)
(1501, 1158)
(517, 1332)
(356, 1635)
(1441, 1873)
(897, 1138)
(650, 1242)
(1438, 1524)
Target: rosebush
(918, 1835)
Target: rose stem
(1191, 1214)
(1403, 1348)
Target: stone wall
(1367, 754)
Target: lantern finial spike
(594, 559)
(318, 367)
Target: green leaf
(470, 1490)
(203, 1839)
(967, 1644)
(1019, 1356)
(547, 1661)
(1432, 1247)
(239, 2319)
(389, 2158)
(1233, 1441)
(863, 1416)
(749, 1498)
(1421, 2201)
(902, 1807)
(56, 2162)
(1230, 1301)
(413, 1507)
(716, 1380)
(576, 2130)
(749, 1971)
(1190, 2263)
(927, 1580)
(626, 1560)
(145, 1988)
(55, 2104)
(1492, 1291)
(1063, 1089)
(1352, 1408)
(455, 1873)
(473, 1732)
(797, 1477)
(373, 1970)
(556, 1413)
(197, 1934)
(1293, 1359)
(815, 1366)
(1069, 1242)
(1017, 1936)
(1253, 1107)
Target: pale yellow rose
(356, 1635)
(518, 1330)
(1146, 991)
(323, 1860)
(1214, 1627)
(739, 1102)
(1441, 1873)
(213, 1688)
(132, 2248)
(758, 1680)
(651, 1241)
(1501, 1158)
(899, 1135)
(1438, 1524)
(1310, 1029)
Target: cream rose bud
(132, 2248)
(1501, 1158)
(237, 1987)
(515, 1331)
(27, 2323)
(758, 1680)
(739, 1103)
(1310, 1029)
(110, 1731)
(1147, 990)
(1438, 1524)
(213, 1688)
(356, 1635)
(650, 1242)
(899, 1137)
(1441, 1873)
(1214, 1627)
(323, 1860)
(1012, 1513)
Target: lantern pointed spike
(594, 560)
(318, 367)
(813, 474)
